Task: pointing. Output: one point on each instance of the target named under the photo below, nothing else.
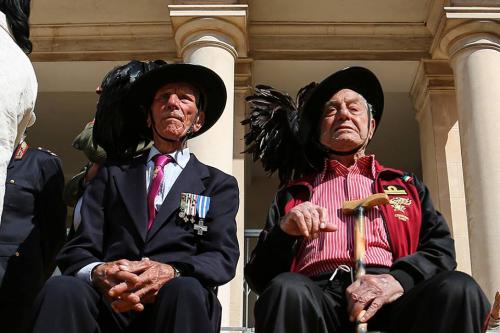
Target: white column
(475, 58)
(215, 36)
(215, 147)
(433, 94)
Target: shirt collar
(364, 165)
(181, 157)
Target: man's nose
(173, 101)
(343, 111)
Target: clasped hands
(366, 295)
(129, 285)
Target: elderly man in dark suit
(158, 232)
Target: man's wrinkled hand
(495, 310)
(370, 293)
(110, 274)
(307, 220)
(144, 289)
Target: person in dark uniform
(32, 231)
(158, 231)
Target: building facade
(438, 62)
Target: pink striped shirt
(331, 249)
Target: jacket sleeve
(436, 249)
(51, 212)
(87, 244)
(218, 249)
(274, 251)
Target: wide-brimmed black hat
(210, 86)
(358, 79)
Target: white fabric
(18, 89)
(85, 273)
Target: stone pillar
(433, 95)
(215, 36)
(474, 51)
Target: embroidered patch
(407, 178)
(399, 204)
(402, 217)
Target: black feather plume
(119, 122)
(273, 131)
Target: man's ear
(199, 121)
(372, 128)
(148, 119)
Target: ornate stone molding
(268, 40)
(469, 27)
(243, 75)
(339, 41)
(222, 25)
(114, 41)
(433, 76)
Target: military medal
(184, 206)
(202, 206)
(192, 206)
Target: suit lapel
(190, 181)
(131, 184)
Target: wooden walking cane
(358, 208)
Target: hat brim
(358, 79)
(208, 83)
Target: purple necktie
(154, 188)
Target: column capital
(464, 28)
(433, 76)
(223, 26)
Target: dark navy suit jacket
(114, 223)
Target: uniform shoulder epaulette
(46, 151)
(21, 149)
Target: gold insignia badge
(394, 190)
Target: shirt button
(17, 254)
(12, 181)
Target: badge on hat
(193, 205)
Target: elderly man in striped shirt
(302, 264)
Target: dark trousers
(448, 302)
(69, 305)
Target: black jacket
(114, 223)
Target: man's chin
(344, 146)
(172, 135)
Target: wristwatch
(177, 272)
